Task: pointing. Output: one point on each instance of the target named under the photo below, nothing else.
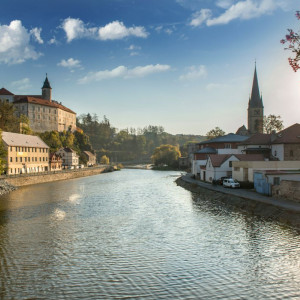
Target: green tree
(166, 154)
(213, 133)
(24, 125)
(272, 123)
(3, 155)
(8, 120)
(104, 160)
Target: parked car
(232, 183)
(220, 180)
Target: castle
(44, 113)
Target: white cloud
(198, 18)
(76, 28)
(15, 44)
(194, 73)
(70, 63)
(22, 84)
(124, 72)
(36, 33)
(224, 3)
(134, 47)
(53, 41)
(117, 30)
(243, 10)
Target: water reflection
(135, 234)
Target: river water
(134, 234)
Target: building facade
(69, 157)
(25, 153)
(44, 113)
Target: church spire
(255, 99)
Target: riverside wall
(49, 177)
(245, 206)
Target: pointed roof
(5, 92)
(255, 99)
(290, 135)
(46, 83)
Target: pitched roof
(228, 138)
(67, 149)
(218, 159)
(242, 130)
(88, 153)
(258, 139)
(40, 101)
(250, 157)
(23, 140)
(290, 135)
(46, 84)
(255, 99)
(4, 91)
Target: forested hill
(129, 144)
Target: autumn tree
(166, 154)
(272, 123)
(217, 131)
(292, 39)
(104, 160)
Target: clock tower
(255, 108)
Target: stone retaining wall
(49, 177)
(287, 189)
(249, 207)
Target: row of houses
(262, 159)
(30, 154)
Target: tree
(104, 160)
(166, 154)
(8, 120)
(217, 131)
(272, 123)
(3, 154)
(293, 41)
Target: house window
(20, 159)
(16, 159)
(276, 180)
(28, 159)
(230, 164)
(236, 169)
(227, 146)
(10, 159)
(275, 153)
(10, 148)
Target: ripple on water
(135, 234)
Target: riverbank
(283, 211)
(10, 183)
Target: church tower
(46, 90)
(255, 108)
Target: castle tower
(46, 90)
(255, 108)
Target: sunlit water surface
(135, 234)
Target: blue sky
(186, 65)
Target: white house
(69, 157)
(220, 165)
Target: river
(134, 234)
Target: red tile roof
(218, 159)
(4, 91)
(250, 157)
(40, 101)
(290, 135)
